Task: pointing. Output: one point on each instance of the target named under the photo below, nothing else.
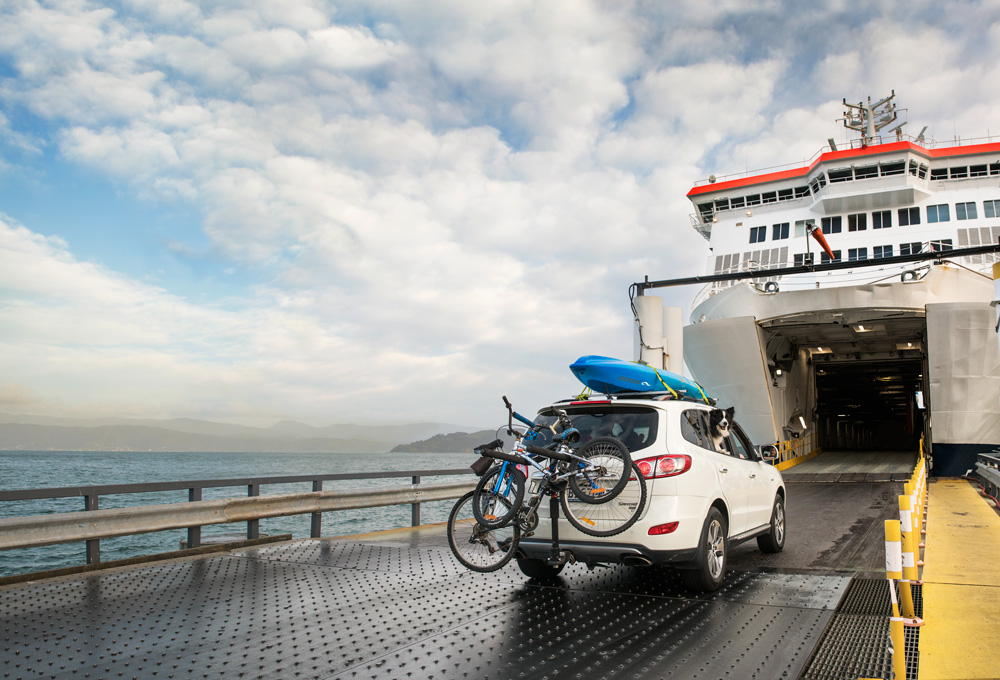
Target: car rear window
(634, 425)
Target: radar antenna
(869, 118)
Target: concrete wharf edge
(961, 585)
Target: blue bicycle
(594, 475)
(600, 490)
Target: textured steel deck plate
(320, 609)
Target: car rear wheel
(774, 540)
(709, 568)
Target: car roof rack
(651, 396)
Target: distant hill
(45, 433)
(456, 442)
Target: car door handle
(753, 476)
(723, 469)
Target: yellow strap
(660, 378)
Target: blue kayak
(613, 376)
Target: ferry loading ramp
(396, 604)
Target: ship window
(894, 168)
(913, 168)
(909, 248)
(991, 208)
(882, 251)
(818, 183)
(856, 254)
(779, 231)
(959, 173)
(825, 259)
(785, 195)
(938, 213)
(722, 204)
(978, 170)
(758, 234)
(801, 192)
(753, 199)
(769, 197)
(737, 202)
(706, 210)
(923, 171)
(908, 216)
(858, 222)
(881, 219)
(841, 175)
(965, 211)
(802, 259)
(939, 173)
(942, 245)
(866, 171)
(995, 168)
(832, 225)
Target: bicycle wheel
(475, 546)
(498, 496)
(612, 460)
(612, 517)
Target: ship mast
(869, 119)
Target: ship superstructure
(867, 357)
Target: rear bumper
(605, 552)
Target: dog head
(720, 419)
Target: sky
(394, 211)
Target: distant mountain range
(47, 433)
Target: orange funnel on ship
(817, 234)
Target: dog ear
(730, 411)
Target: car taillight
(664, 466)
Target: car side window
(694, 428)
(741, 446)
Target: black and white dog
(718, 422)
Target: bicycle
(600, 489)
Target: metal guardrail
(95, 524)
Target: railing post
(415, 507)
(253, 525)
(94, 546)
(316, 525)
(194, 533)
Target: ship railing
(791, 452)
(93, 523)
(852, 144)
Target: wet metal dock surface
(397, 605)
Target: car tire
(536, 568)
(708, 570)
(774, 540)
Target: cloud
(444, 199)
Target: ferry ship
(849, 299)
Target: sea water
(41, 469)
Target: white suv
(700, 500)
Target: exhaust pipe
(636, 561)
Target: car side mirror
(769, 453)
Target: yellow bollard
(908, 563)
(894, 570)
